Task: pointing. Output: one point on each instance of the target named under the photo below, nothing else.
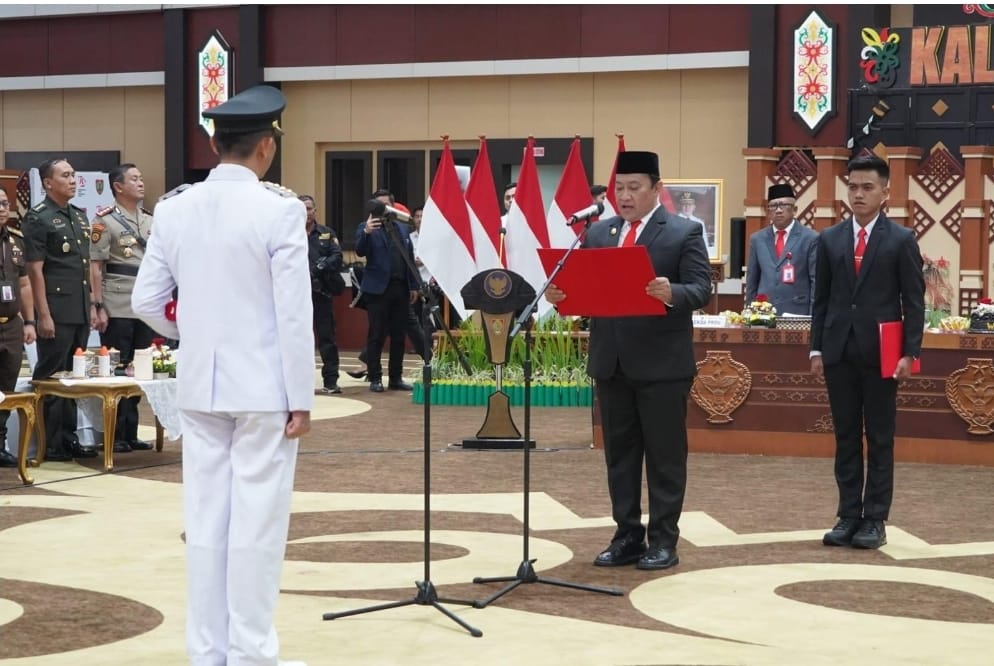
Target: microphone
(585, 214)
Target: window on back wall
(348, 183)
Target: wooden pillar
(831, 166)
(761, 165)
(903, 161)
(974, 246)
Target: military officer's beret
(252, 110)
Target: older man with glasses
(782, 257)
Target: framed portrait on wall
(700, 200)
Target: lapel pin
(614, 231)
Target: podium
(500, 296)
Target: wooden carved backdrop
(946, 199)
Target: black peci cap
(638, 161)
(780, 191)
(252, 110)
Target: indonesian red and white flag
(526, 228)
(573, 194)
(445, 242)
(484, 213)
(611, 203)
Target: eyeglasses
(4, 204)
(777, 206)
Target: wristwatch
(30, 322)
(97, 304)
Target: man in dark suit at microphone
(644, 367)
(389, 287)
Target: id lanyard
(787, 275)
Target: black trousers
(11, 355)
(127, 335)
(857, 395)
(324, 335)
(645, 421)
(388, 314)
(413, 331)
(55, 355)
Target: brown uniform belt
(121, 269)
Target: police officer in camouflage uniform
(57, 249)
(15, 331)
(118, 235)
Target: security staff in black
(324, 255)
(57, 249)
(16, 312)
(118, 235)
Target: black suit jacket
(661, 347)
(890, 286)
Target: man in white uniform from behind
(236, 250)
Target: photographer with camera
(324, 256)
(389, 288)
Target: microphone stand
(425, 594)
(526, 570)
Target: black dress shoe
(139, 445)
(400, 386)
(658, 557)
(58, 455)
(871, 534)
(626, 550)
(356, 374)
(122, 447)
(80, 451)
(841, 534)
(6, 459)
(376, 386)
(332, 389)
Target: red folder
(892, 348)
(604, 282)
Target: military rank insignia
(96, 231)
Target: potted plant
(559, 359)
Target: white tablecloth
(160, 394)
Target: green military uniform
(12, 269)
(59, 238)
(118, 239)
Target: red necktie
(781, 234)
(860, 248)
(630, 236)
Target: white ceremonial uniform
(237, 251)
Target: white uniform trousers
(237, 483)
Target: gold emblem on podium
(970, 392)
(721, 386)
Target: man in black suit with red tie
(869, 270)
(644, 367)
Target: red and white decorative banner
(213, 76)
(814, 71)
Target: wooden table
(109, 393)
(25, 405)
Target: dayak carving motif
(970, 392)
(721, 386)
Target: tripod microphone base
(526, 574)
(426, 596)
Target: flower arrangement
(760, 312)
(163, 360)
